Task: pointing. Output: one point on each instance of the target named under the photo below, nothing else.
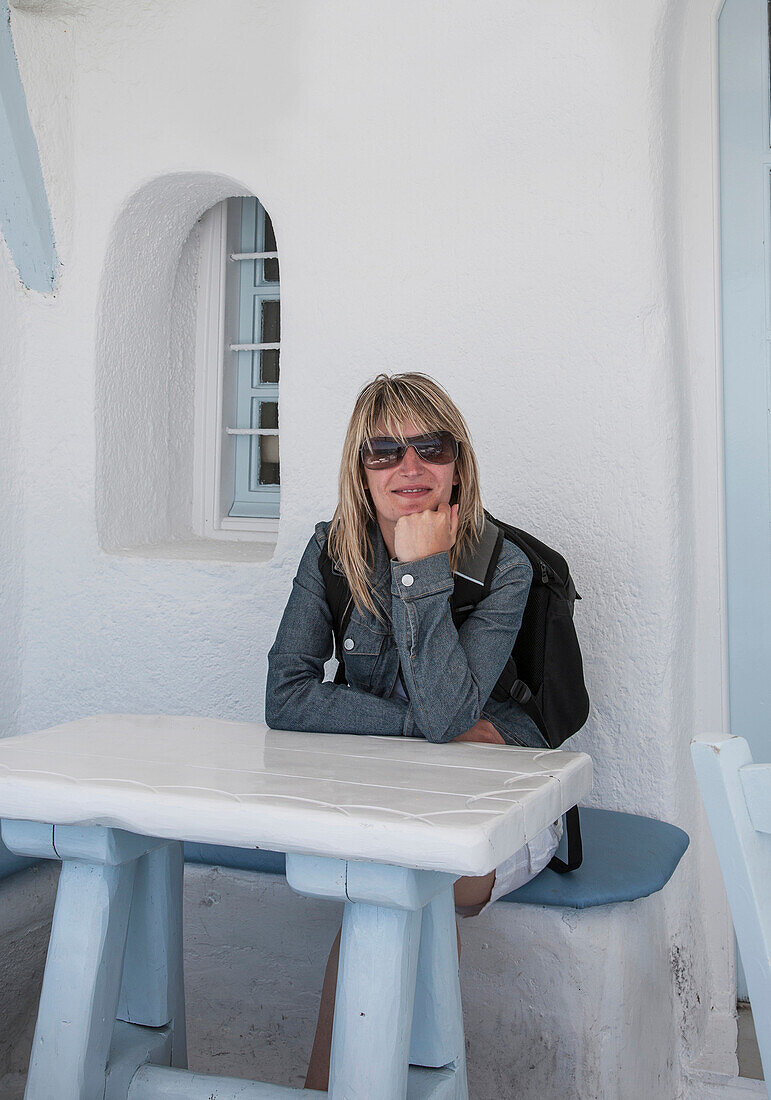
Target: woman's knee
(473, 892)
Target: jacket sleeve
(297, 698)
(450, 673)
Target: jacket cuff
(412, 579)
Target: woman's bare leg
(473, 890)
(318, 1067)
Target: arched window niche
(186, 416)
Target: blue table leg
(81, 985)
(152, 990)
(383, 956)
(97, 911)
(437, 1021)
(373, 1005)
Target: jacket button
(348, 643)
(408, 580)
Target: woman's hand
(483, 732)
(422, 534)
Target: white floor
(12, 1085)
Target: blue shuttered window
(257, 349)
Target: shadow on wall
(145, 358)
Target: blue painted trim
(25, 216)
(745, 169)
(250, 498)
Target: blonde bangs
(385, 415)
(380, 408)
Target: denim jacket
(448, 674)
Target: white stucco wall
(11, 545)
(515, 198)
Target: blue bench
(626, 857)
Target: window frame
(216, 370)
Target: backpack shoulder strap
(574, 851)
(475, 570)
(473, 579)
(340, 604)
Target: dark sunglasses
(440, 448)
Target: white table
(385, 824)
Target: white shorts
(525, 864)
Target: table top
(459, 807)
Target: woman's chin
(418, 503)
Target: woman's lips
(410, 492)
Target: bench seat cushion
(10, 863)
(243, 859)
(625, 857)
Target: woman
(409, 510)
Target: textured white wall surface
(516, 198)
(11, 545)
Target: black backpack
(544, 673)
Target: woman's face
(412, 486)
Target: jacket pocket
(361, 649)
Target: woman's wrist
(424, 534)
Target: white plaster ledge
(200, 550)
(49, 7)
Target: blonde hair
(382, 405)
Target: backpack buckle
(520, 692)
